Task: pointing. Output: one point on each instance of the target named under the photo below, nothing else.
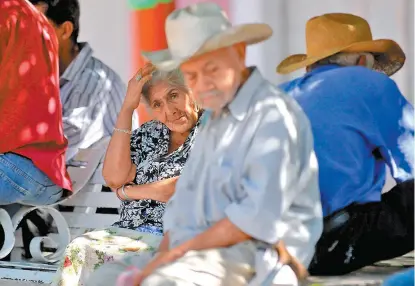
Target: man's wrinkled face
(215, 77)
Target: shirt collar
(78, 64)
(240, 104)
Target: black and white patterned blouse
(149, 152)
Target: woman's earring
(196, 107)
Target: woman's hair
(173, 78)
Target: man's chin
(211, 106)
(209, 109)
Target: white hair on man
(346, 59)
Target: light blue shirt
(361, 123)
(254, 165)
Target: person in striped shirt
(91, 92)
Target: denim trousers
(22, 182)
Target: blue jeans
(22, 182)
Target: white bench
(87, 197)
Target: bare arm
(222, 234)
(118, 168)
(159, 191)
(164, 244)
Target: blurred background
(117, 32)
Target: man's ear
(241, 51)
(66, 30)
(361, 61)
(42, 7)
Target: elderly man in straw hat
(251, 180)
(361, 124)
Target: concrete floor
(371, 275)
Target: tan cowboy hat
(330, 34)
(201, 28)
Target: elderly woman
(141, 167)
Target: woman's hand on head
(135, 86)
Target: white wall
(105, 24)
(388, 19)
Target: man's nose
(204, 84)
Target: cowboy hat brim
(393, 59)
(246, 33)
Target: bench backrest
(86, 174)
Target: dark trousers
(362, 234)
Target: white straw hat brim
(245, 33)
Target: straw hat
(330, 34)
(201, 28)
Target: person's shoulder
(18, 8)
(289, 85)
(281, 115)
(98, 74)
(356, 74)
(370, 84)
(22, 12)
(273, 101)
(349, 83)
(274, 96)
(102, 71)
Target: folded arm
(159, 191)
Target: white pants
(233, 266)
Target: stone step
(371, 275)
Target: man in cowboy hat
(361, 124)
(251, 180)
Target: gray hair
(173, 78)
(346, 59)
